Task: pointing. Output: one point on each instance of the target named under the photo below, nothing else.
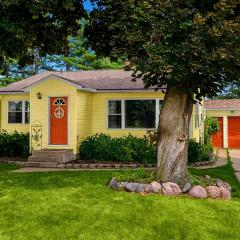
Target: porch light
(39, 95)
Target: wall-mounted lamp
(39, 95)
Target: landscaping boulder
(225, 193)
(113, 184)
(155, 187)
(146, 188)
(186, 187)
(121, 186)
(130, 187)
(213, 192)
(198, 192)
(139, 188)
(220, 183)
(171, 189)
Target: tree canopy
(42, 25)
(192, 45)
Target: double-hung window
(18, 112)
(133, 114)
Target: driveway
(235, 157)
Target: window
(197, 115)
(18, 112)
(114, 114)
(124, 114)
(140, 113)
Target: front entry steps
(49, 158)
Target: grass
(78, 205)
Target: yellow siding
(11, 127)
(87, 112)
(40, 109)
(100, 110)
(84, 115)
(197, 133)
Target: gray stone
(220, 183)
(186, 187)
(198, 192)
(155, 187)
(121, 186)
(130, 187)
(113, 184)
(171, 189)
(139, 188)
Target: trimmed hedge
(102, 147)
(14, 144)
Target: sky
(87, 5)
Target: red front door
(58, 120)
(217, 138)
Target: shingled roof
(96, 80)
(223, 104)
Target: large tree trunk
(173, 137)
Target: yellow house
(60, 109)
(227, 111)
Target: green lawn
(78, 205)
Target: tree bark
(173, 137)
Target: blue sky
(87, 5)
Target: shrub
(14, 144)
(211, 127)
(103, 147)
(198, 152)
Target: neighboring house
(60, 109)
(228, 113)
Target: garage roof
(222, 104)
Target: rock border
(221, 190)
(104, 165)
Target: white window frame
(23, 111)
(123, 113)
(197, 115)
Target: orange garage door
(217, 138)
(234, 132)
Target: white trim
(49, 125)
(123, 113)
(225, 131)
(157, 112)
(27, 89)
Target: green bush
(102, 147)
(14, 144)
(198, 152)
(211, 127)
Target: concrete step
(44, 159)
(52, 152)
(59, 155)
(41, 164)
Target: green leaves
(198, 40)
